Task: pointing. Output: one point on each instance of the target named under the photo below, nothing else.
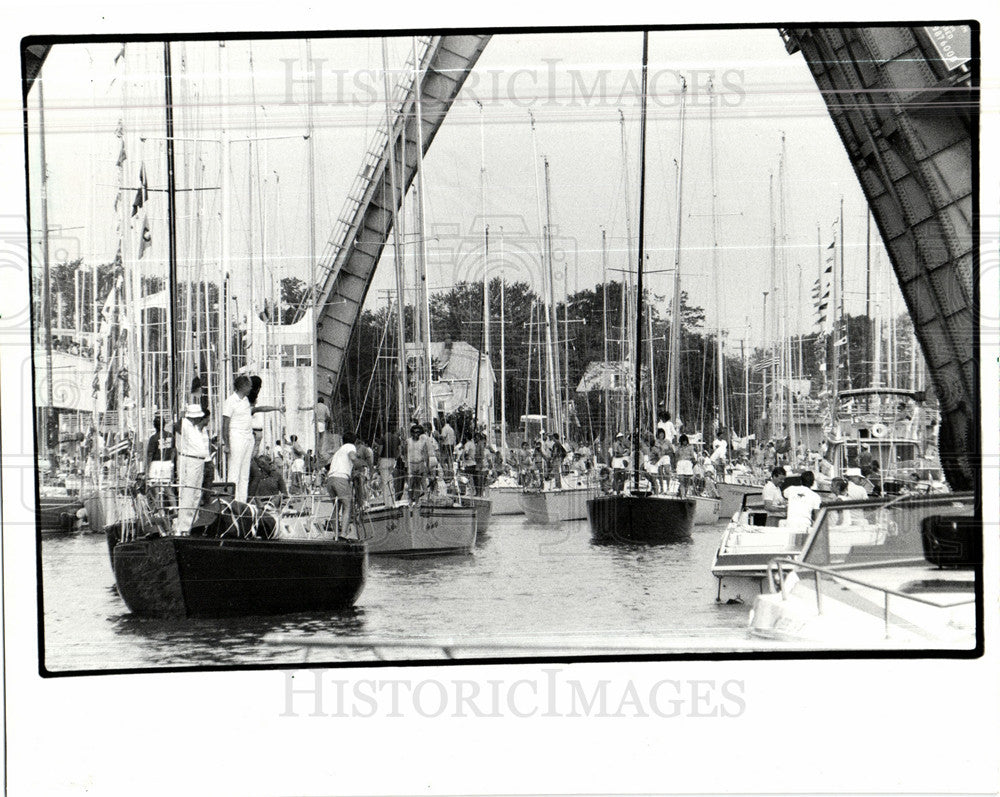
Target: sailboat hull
(506, 500)
(706, 511)
(424, 529)
(554, 506)
(640, 519)
(212, 577)
(731, 497)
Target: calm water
(523, 583)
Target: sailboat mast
(716, 267)
(424, 301)
(175, 389)
(638, 294)
(551, 322)
(676, 325)
(627, 279)
(47, 288)
(543, 254)
(486, 270)
(604, 320)
(397, 249)
(503, 358)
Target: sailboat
(563, 499)
(234, 561)
(636, 517)
(435, 524)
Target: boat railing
(778, 569)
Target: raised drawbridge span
(906, 111)
(347, 264)
(906, 115)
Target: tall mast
(176, 390)
(786, 341)
(676, 325)
(424, 301)
(774, 313)
(486, 268)
(628, 292)
(47, 288)
(543, 257)
(551, 322)
(716, 267)
(638, 293)
(311, 212)
(604, 320)
(503, 358)
(402, 410)
(834, 309)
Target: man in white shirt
(339, 482)
(417, 461)
(773, 499)
(668, 427)
(237, 435)
(448, 446)
(802, 502)
(192, 453)
(718, 458)
(855, 491)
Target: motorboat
(752, 538)
(890, 573)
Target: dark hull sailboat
(213, 577)
(640, 519)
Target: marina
(492, 405)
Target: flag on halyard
(146, 239)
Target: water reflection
(522, 582)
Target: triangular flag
(142, 193)
(828, 269)
(831, 245)
(121, 54)
(121, 155)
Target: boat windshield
(858, 532)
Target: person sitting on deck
(265, 478)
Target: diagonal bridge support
(347, 264)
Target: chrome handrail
(819, 571)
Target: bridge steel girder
(908, 124)
(445, 64)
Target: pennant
(841, 342)
(146, 239)
(142, 194)
(831, 245)
(120, 129)
(829, 269)
(121, 54)
(121, 155)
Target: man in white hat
(192, 453)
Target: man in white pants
(192, 453)
(237, 435)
